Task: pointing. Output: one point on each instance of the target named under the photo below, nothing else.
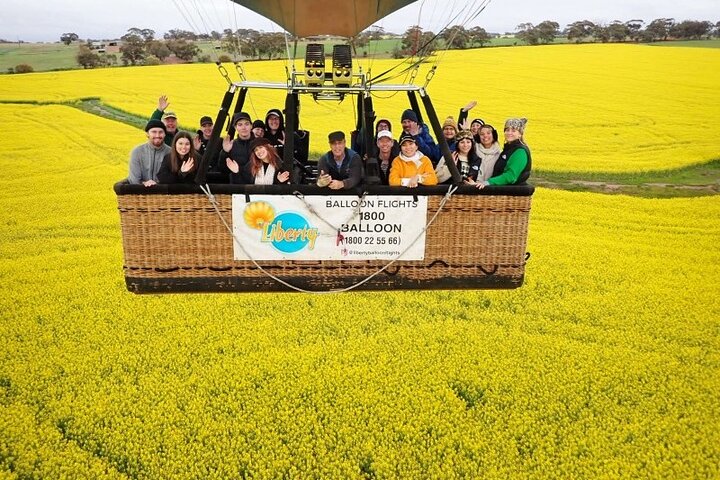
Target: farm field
(606, 363)
(592, 108)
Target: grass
(41, 56)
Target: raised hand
(232, 165)
(163, 103)
(283, 177)
(469, 106)
(227, 143)
(187, 165)
(197, 143)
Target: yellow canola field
(605, 364)
(596, 108)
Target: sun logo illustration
(258, 214)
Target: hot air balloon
(247, 238)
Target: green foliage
(23, 68)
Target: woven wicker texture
(181, 236)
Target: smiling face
(244, 129)
(273, 122)
(407, 124)
(207, 129)
(486, 137)
(261, 153)
(338, 148)
(464, 146)
(449, 132)
(409, 148)
(156, 137)
(475, 127)
(512, 134)
(182, 146)
(170, 124)
(385, 144)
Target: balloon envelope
(305, 18)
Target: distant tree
(224, 59)
(691, 30)
(456, 37)
(716, 32)
(618, 31)
(183, 50)
(68, 38)
(375, 32)
(478, 35)
(216, 35)
(547, 31)
(527, 33)
(634, 29)
(412, 40)
(579, 30)
(146, 34)
(159, 49)
(270, 44)
(658, 29)
(87, 58)
(24, 68)
(152, 60)
(361, 40)
(601, 32)
(178, 34)
(109, 60)
(132, 49)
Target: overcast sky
(41, 20)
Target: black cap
(241, 116)
(336, 137)
(258, 124)
(155, 124)
(406, 137)
(205, 120)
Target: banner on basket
(334, 227)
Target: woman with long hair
(514, 164)
(180, 165)
(488, 150)
(263, 168)
(466, 160)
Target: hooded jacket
(275, 138)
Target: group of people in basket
(254, 156)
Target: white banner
(333, 227)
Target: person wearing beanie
(258, 128)
(450, 129)
(514, 164)
(465, 158)
(411, 168)
(235, 154)
(423, 140)
(341, 167)
(167, 117)
(145, 159)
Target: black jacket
(350, 171)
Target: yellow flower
(257, 214)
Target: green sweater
(515, 166)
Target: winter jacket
(350, 171)
(402, 168)
(513, 165)
(165, 174)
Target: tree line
(140, 47)
(635, 30)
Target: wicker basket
(173, 241)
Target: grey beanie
(517, 123)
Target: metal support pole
(414, 105)
(291, 121)
(215, 144)
(372, 174)
(444, 149)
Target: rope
(213, 202)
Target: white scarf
(488, 157)
(265, 176)
(416, 159)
